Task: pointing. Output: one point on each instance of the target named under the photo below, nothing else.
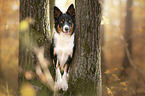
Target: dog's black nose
(66, 28)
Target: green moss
(82, 87)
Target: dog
(63, 45)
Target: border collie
(63, 45)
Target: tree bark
(85, 77)
(128, 40)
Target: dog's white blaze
(63, 46)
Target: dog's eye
(68, 20)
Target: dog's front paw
(64, 85)
(58, 84)
(58, 79)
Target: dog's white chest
(63, 46)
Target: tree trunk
(85, 77)
(37, 10)
(128, 40)
(1, 72)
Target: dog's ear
(71, 10)
(56, 12)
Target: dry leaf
(123, 83)
(109, 91)
(107, 71)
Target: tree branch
(44, 76)
(131, 60)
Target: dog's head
(65, 22)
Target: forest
(109, 59)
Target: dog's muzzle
(66, 29)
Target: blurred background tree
(123, 47)
(9, 34)
(127, 36)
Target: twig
(7, 89)
(131, 60)
(44, 65)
